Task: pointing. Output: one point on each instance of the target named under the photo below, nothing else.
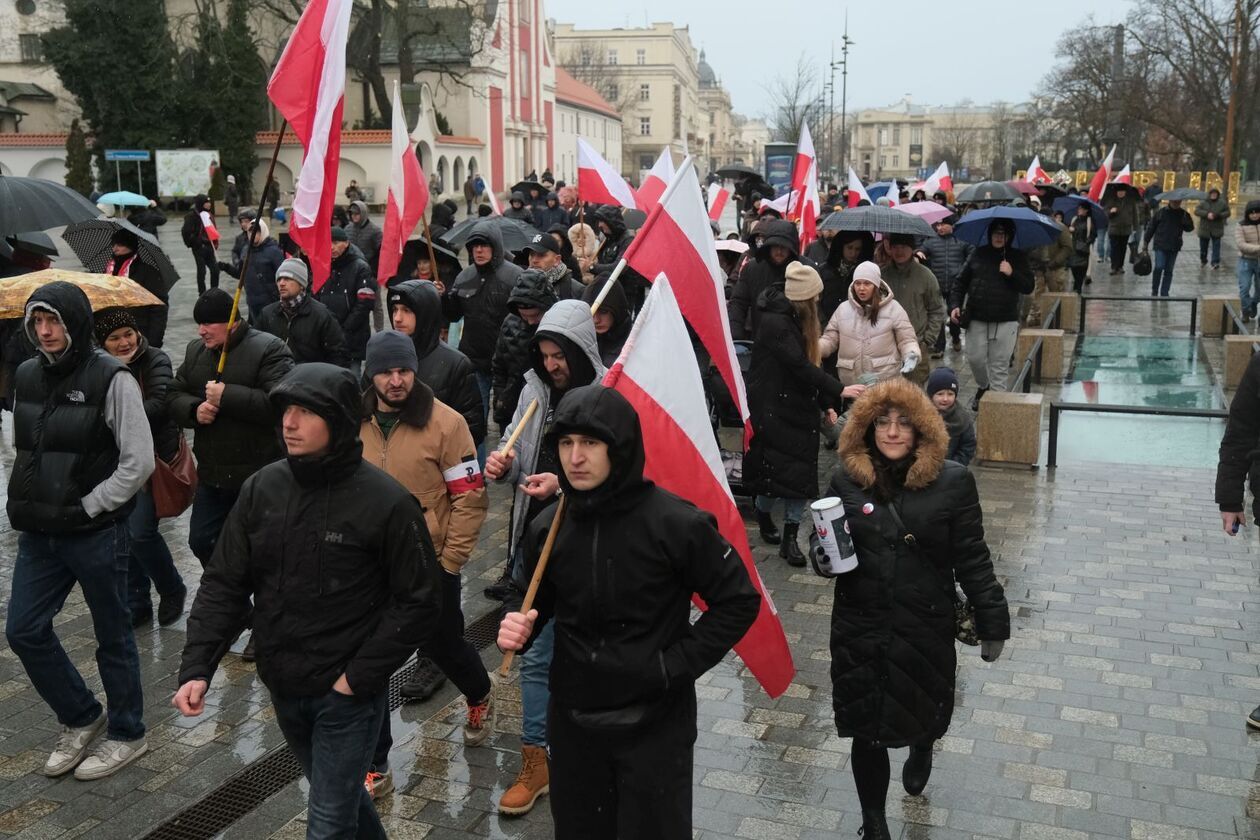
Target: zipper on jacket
(598, 596)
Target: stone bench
(1008, 428)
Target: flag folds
(408, 195)
(598, 182)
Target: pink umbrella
(928, 211)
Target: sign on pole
(137, 155)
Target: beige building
(32, 100)
(751, 137)
(582, 112)
(718, 139)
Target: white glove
(991, 649)
(911, 362)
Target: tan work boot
(532, 782)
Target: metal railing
(1193, 301)
(1032, 362)
(1239, 327)
(1057, 408)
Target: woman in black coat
(784, 387)
(892, 622)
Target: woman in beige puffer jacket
(870, 332)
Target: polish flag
(1125, 176)
(857, 192)
(938, 181)
(683, 458)
(677, 238)
(805, 157)
(811, 206)
(1035, 174)
(494, 200)
(308, 88)
(408, 195)
(890, 190)
(779, 205)
(1101, 177)
(718, 196)
(207, 222)
(598, 182)
(657, 180)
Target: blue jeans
(793, 509)
(1161, 275)
(46, 570)
(332, 737)
(1101, 245)
(535, 688)
(150, 557)
(210, 509)
(1215, 242)
(1248, 282)
(484, 383)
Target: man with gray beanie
(915, 288)
(304, 324)
(425, 444)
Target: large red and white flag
(811, 206)
(658, 178)
(718, 196)
(408, 195)
(805, 158)
(598, 182)
(1035, 174)
(683, 458)
(1101, 177)
(308, 88)
(938, 181)
(1125, 176)
(857, 192)
(677, 239)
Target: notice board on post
(182, 172)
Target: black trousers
(624, 785)
(204, 257)
(1078, 277)
(1119, 248)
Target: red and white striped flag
(683, 458)
(857, 192)
(308, 88)
(1125, 176)
(408, 195)
(598, 182)
(938, 181)
(494, 200)
(718, 196)
(1101, 177)
(658, 178)
(677, 238)
(800, 172)
(1035, 174)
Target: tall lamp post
(843, 64)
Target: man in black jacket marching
(305, 325)
(345, 583)
(618, 587)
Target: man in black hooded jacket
(626, 560)
(780, 245)
(617, 239)
(345, 582)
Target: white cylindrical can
(837, 553)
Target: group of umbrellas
(1032, 229)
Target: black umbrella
(634, 219)
(992, 191)
(1131, 193)
(37, 204)
(876, 219)
(515, 233)
(1183, 194)
(34, 241)
(526, 186)
(737, 170)
(91, 243)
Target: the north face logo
(76, 396)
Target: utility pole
(831, 113)
(843, 63)
(1232, 112)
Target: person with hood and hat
(517, 209)
(1084, 233)
(415, 309)
(560, 233)
(351, 295)
(1247, 238)
(945, 255)
(443, 217)
(480, 297)
(564, 355)
(786, 385)
(1122, 208)
(848, 249)
(265, 257)
(124, 261)
(942, 390)
(612, 319)
(916, 525)
(626, 560)
(231, 196)
(148, 219)
(777, 245)
(617, 239)
(1213, 212)
(305, 325)
(118, 333)
(197, 238)
(532, 296)
(917, 291)
(83, 450)
(547, 256)
(985, 303)
(425, 444)
(364, 235)
(550, 213)
(344, 577)
(1166, 232)
(234, 429)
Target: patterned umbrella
(90, 242)
(36, 204)
(102, 290)
(876, 219)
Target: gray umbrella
(876, 219)
(515, 233)
(1183, 194)
(36, 204)
(90, 242)
(995, 191)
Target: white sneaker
(72, 745)
(108, 757)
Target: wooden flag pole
(428, 240)
(536, 580)
(249, 248)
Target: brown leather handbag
(173, 483)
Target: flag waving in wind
(408, 195)
(1125, 176)
(598, 182)
(857, 192)
(1101, 177)
(654, 374)
(800, 172)
(308, 88)
(657, 179)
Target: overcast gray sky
(920, 47)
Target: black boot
(769, 532)
(917, 769)
(501, 588)
(975, 403)
(874, 825)
(425, 680)
(788, 549)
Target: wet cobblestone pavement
(1117, 709)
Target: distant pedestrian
(470, 193)
(232, 197)
(1247, 238)
(1212, 214)
(1083, 235)
(1122, 211)
(1166, 231)
(197, 237)
(352, 192)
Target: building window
(586, 56)
(32, 49)
(614, 92)
(645, 92)
(645, 129)
(883, 136)
(523, 10)
(883, 161)
(612, 57)
(526, 82)
(646, 161)
(916, 135)
(640, 56)
(896, 161)
(896, 135)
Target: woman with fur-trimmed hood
(892, 623)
